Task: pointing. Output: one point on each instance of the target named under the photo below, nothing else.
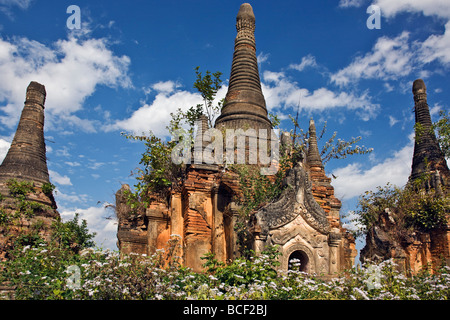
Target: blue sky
(132, 63)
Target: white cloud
(156, 115)
(353, 180)
(23, 4)
(64, 198)
(388, 87)
(281, 92)
(392, 121)
(4, 147)
(391, 8)
(436, 47)
(262, 57)
(166, 87)
(307, 61)
(73, 164)
(6, 5)
(434, 111)
(390, 58)
(94, 165)
(70, 69)
(350, 3)
(59, 179)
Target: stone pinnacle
(313, 157)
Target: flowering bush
(46, 272)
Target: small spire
(313, 157)
(199, 142)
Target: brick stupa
(26, 158)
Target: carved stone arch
(295, 250)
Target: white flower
(362, 293)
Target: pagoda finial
(313, 157)
(419, 90)
(246, 13)
(244, 104)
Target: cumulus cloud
(59, 179)
(166, 87)
(262, 57)
(155, 116)
(436, 47)
(392, 121)
(307, 61)
(353, 180)
(396, 57)
(350, 3)
(281, 92)
(70, 69)
(391, 8)
(390, 58)
(4, 147)
(64, 199)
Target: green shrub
(20, 189)
(48, 188)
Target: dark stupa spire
(244, 105)
(26, 158)
(428, 156)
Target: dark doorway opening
(298, 260)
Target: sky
(131, 63)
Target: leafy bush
(48, 188)
(410, 208)
(72, 235)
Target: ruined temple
(26, 162)
(203, 212)
(414, 250)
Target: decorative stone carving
(296, 199)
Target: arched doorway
(298, 260)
